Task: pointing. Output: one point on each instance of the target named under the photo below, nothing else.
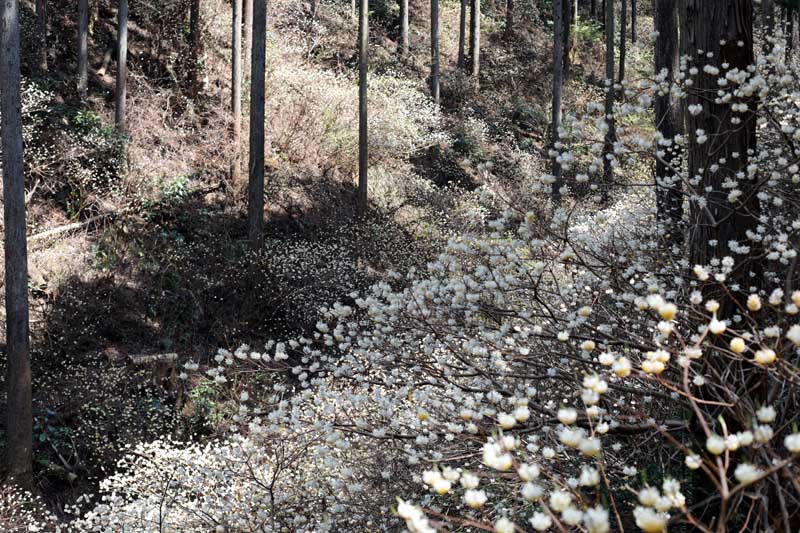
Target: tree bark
(709, 24)
(509, 31)
(475, 41)
(18, 381)
(122, 65)
(83, 49)
(255, 204)
(404, 28)
(462, 35)
(558, 84)
(611, 136)
(196, 44)
(669, 188)
(435, 51)
(363, 65)
(623, 36)
(633, 20)
(41, 31)
(236, 90)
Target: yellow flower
(668, 311)
(765, 356)
(737, 345)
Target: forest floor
(156, 260)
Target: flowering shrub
(21, 512)
(531, 373)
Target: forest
(331, 266)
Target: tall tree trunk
(602, 19)
(122, 65)
(575, 21)
(611, 135)
(593, 9)
(558, 84)
(718, 27)
(247, 38)
(404, 28)
(566, 41)
(789, 32)
(435, 51)
(633, 20)
(462, 35)
(509, 31)
(363, 137)
(471, 41)
(768, 7)
(196, 44)
(19, 427)
(41, 33)
(475, 41)
(236, 90)
(255, 197)
(669, 188)
(83, 49)
(623, 36)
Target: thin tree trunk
(19, 427)
(122, 64)
(623, 37)
(602, 19)
(558, 84)
(611, 136)
(593, 9)
(768, 7)
(363, 65)
(462, 35)
(236, 90)
(435, 51)
(255, 204)
(247, 38)
(471, 41)
(404, 28)
(789, 32)
(566, 42)
(475, 41)
(575, 20)
(83, 49)
(509, 31)
(196, 44)
(719, 27)
(633, 20)
(669, 188)
(41, 31)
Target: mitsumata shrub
(573, 372)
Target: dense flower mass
(517, 381)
